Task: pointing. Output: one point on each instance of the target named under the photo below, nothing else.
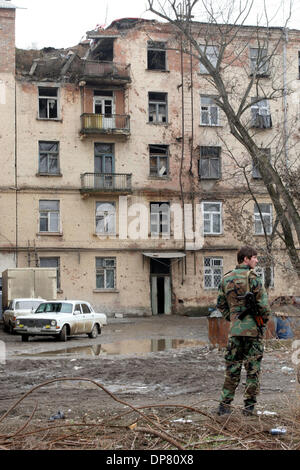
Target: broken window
(105, 218)
(156, 55)
(160, 218)
(212, 218)
(260, 114)
(259, 61)
(263, 219)
(48, 103)
(49, 216)
(213, 272)
(159, 163)
(211, 53)
(53, 262)
(105, 273)
(255, 171)
(103, 50)
(209, 163)
(158, 108)
(48, 158)
(209, 111)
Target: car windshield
(58, 307)
(27, 304)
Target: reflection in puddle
(125, 347)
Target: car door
(88, 318)
(78, 326)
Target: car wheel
(11, 329)
(94, 333)
(5, 328)
(63, 334)
(25, 338)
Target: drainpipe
(286, 148)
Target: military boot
(224, 409)
(248, 410)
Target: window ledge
(210, 125)
(167, 178)
(110, 291)
(163, 124)
(201, 178)
(213, 235)
(49, 119)
(49, 174)
(105, 235)
(158, 70)
(50, 234)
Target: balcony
(95, 124)
(100, 183)
(105, 73)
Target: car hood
(54, 315)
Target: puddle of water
(124, 347)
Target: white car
(61, 318)
(19, 307)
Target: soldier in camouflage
(245, 343)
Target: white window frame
(258, 220)
(160, 219)
(260, 108)
(209, 272)
(211, 217)
(206, 110)
(160, 117)
(212, 54)
(108, 214)
(49, 214)
(109, 264)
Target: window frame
(160, 223)
(211, 55)
(106, 215)
(49, 154)
(260, 108)
(157, 103)
(160, 48)
(49, 216)
(210, 271)
(49, 98)
(207, 112)
(205, 156)
(105, 268)
(254, 62)
(255, 171)
(211, 218)
(258, 220)
(261, 272)
(158, 158)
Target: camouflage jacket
(234, 284)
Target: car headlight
(53, 322)
(18, 322)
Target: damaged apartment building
(110, 150)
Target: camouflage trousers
(248, 351)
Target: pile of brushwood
(155, 427)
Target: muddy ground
(142, 361)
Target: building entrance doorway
(160, 286)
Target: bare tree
(220, 44)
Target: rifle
(251, 309)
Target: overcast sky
(63, 23)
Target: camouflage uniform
(245, 345)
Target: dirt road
(140, 360)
